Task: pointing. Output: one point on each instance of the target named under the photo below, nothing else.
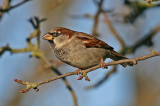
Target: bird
(79, 49)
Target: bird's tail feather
(116, 56)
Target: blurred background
(131, 27)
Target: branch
(112, 29)
(146, 40)
(97, 15)
(96, 18)
(30, 85)
(12, 7)
(33, 49)
(6, 6)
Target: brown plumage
(79, 49)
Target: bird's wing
(92, 42)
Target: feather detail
(92, 42)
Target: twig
(115, 33)
(36, 25)
(33, 49)
(134, 60)
(96, 18)
(146, 40)
(6, 6)
(12, 7)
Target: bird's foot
(102, 64)
(81, 75)
(79, 72)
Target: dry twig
(6, 7)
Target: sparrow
(79, 49)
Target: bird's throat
(52, 44)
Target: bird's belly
(83, 58)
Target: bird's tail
(116, 56)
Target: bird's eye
(55, 34)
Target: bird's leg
(102, 64)
(80, 73)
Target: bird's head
(59, 36)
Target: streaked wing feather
(92, 42)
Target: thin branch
(6, 6)
(12, 7)
(33, 49)
(36, 25)
(112, 29)
(146, 40)
(134, 60)
(96, 18)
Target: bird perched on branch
(79, 49)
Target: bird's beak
(47, 37)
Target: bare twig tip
(19, 81)
(152, 51)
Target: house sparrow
(79, 49)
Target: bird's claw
(81, 75)
(102, 64)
